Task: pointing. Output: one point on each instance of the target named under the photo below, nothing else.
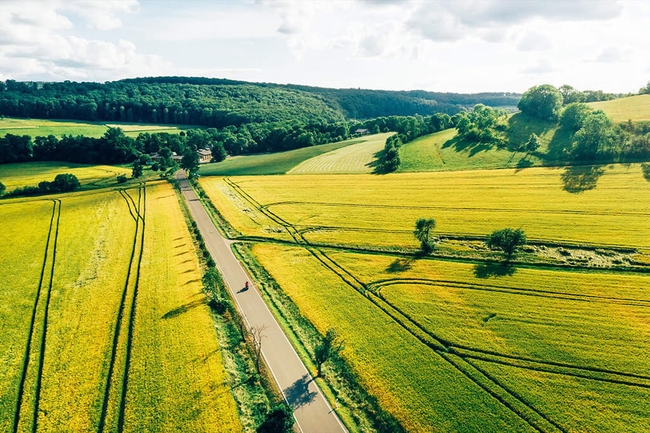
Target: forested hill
(220, 102)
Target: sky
(444, 46)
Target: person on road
(246, 285)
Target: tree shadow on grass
(578, 179)
(184, 308)
(493, 270)
(472, 147)
(646, 171)
(298, 394)
(523, 164)
(399, 265)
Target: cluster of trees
(506, 240)
(482, 125)
(546, 101)
(407, 128)
(594, 137)
(64, 182)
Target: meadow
(432, 337)
(89, 342)
(357, 158)
(283, 162)
(634, 108)
(45, 127)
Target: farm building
(205, 155)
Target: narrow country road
(311, 410)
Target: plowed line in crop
(439, 345)
(110, 375)
(53, 229)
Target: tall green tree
(218, 152)
(595, 138)
(532, 144)
(329, 345)
(573, 116)
(422, 232)
(507, 240)
(190, 162)
(543, 102)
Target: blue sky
(454, 46)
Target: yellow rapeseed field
(177, 381)
(172, 358)
(583, 205)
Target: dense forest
(218, 103)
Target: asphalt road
(311, 410)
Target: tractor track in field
(138, 217)
(437, 345)
(52, 232)
(376, 287)
(142, 204)
(455, 208)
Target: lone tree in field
(422, 232)
(326, 348)
(506, 240)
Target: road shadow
(646, 171)
(298, 393)
(184, 308)
(493, 270)
(399, 265)
(581, 178)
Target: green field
(634, 108)
(356, 158)
(100, 319)
(31, 173)
(43, 127)
(277, 163)
(458, 342)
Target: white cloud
(533, 41)
(541, 67)
(37, 39)
(455, 20)
(612, 55)
(102, 15)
